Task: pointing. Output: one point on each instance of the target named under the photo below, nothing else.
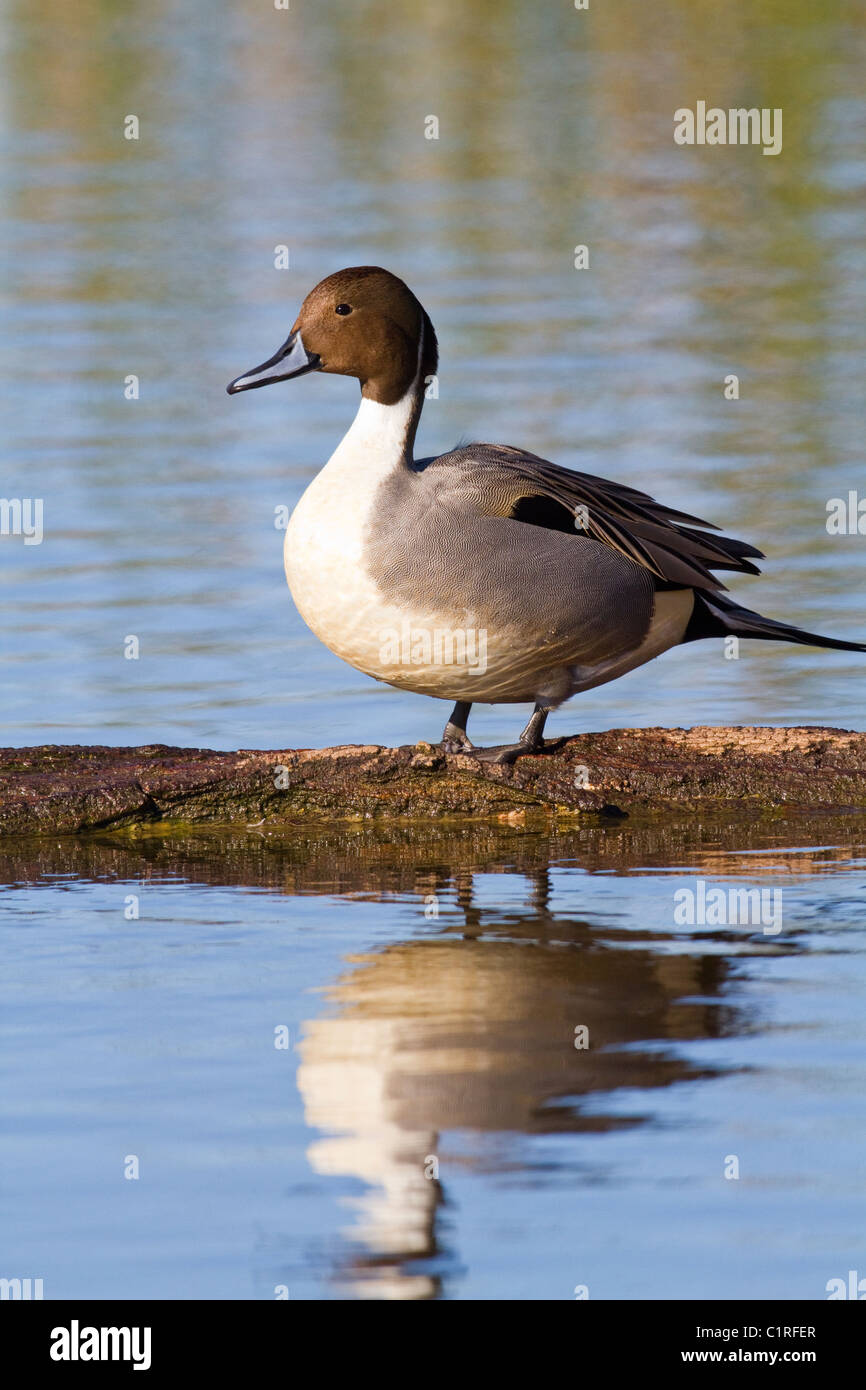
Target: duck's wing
(497, 480)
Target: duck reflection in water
(497, 1027)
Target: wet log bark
(647, 773)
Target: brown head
(361, 322)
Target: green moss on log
(646, 773)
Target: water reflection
(476, 1030)
(470, 1022)
(369, 859)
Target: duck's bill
(292, 359)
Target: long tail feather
(717, 616)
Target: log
(744, 773)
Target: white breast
(323, 553)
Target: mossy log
(749, 773)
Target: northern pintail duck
(485, 574)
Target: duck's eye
(343, 309)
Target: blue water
(306, 129)
(413, 1037)
(417, 1038)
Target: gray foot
(529, 743)
(456, 745)
(454, 736)
(505, 753)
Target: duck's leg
(531, 741)
(454, 736)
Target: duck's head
(362, 322)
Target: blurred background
(417, 1033)
(306, 128)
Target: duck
(486, 574)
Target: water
(417, 1037)
(261, 128)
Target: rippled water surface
(430, 980)
(432, 988)
(306, 128)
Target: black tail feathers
(716, 616)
